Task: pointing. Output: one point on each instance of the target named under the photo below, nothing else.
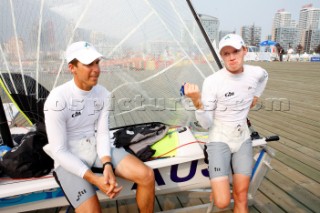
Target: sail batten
(38, 47)
(17, 45)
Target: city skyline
(234, 14)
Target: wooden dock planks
(294, 184)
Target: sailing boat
(151, 46)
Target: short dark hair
(74, 62)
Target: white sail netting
(151, 46)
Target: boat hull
(177, 177)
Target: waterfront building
(309, 23)
(211, 25)
(251, 35)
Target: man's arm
(102, 125)
(262, 82)
(204, 113)
(56, 128)
(254, 101)
(103, 143)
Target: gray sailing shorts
(222, 162)
(76, 189)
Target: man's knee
(147, 176)
(221, 203)
(241, 196)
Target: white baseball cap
(82, 51)
(232, 40)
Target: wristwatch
(107, 163)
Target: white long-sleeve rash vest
(227, 97)
(72, 114)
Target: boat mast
(205, 35)
(4, 127)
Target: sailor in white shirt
(76, 118)
(222, 108)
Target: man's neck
(236, 72)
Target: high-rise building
(281, 19)
(245, 34)
(251, 35)
(309, 23)
(211, 26)
(268, 37)
(287, 37)
(284, 30)
(312, 40)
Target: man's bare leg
(90, 205)
(240, 193)
(133, 169)
(220, 187)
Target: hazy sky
(235, 13)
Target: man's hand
(106, 183)
(192, 91)
(110, 190)
(110, 180)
